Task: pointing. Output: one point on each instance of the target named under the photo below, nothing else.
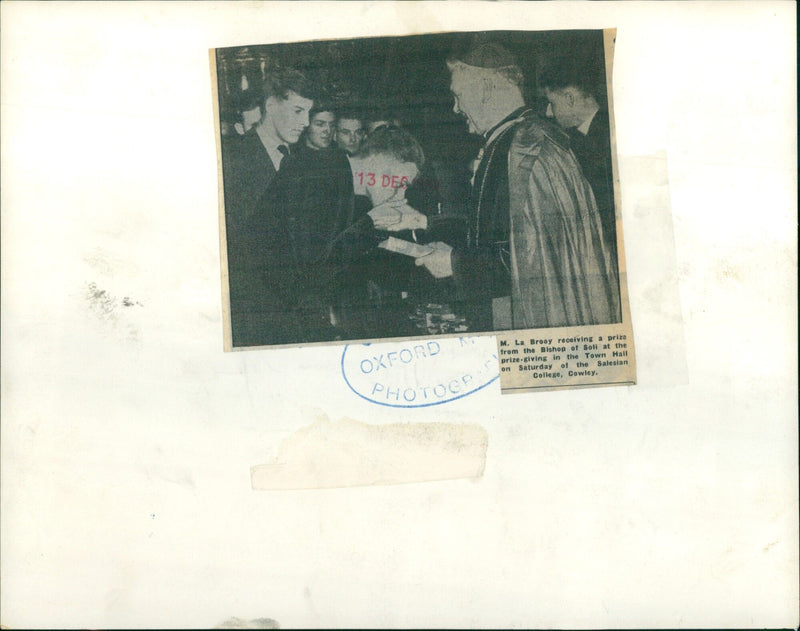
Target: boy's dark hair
(565, 72)
(280, 81)
(395, 142)
(349, 114)
(321, 106)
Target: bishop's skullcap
(487, 55)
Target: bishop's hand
(438, 262)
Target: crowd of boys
(312, 193)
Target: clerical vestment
(535, 235)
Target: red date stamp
(360, 178)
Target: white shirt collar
(275, 155)
(271, 145)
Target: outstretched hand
(387, 214)
(410, 219)
(438, 262)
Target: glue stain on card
(349, 453)
(113, 312)
(420, 373)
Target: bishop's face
(468, 92)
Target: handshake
(396, 215)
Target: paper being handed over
(401, 246)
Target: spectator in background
(573, 93)
(249, 118)
(321, 128)
(243, 103)
(310, 203)
(349, 132)
(250, 163)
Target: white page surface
(128, 435)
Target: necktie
(284, 151)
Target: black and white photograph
(393, 187)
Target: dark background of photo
(404, 76)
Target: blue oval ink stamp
(420, 373)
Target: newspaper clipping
(428, 186)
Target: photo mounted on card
(445, 185)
